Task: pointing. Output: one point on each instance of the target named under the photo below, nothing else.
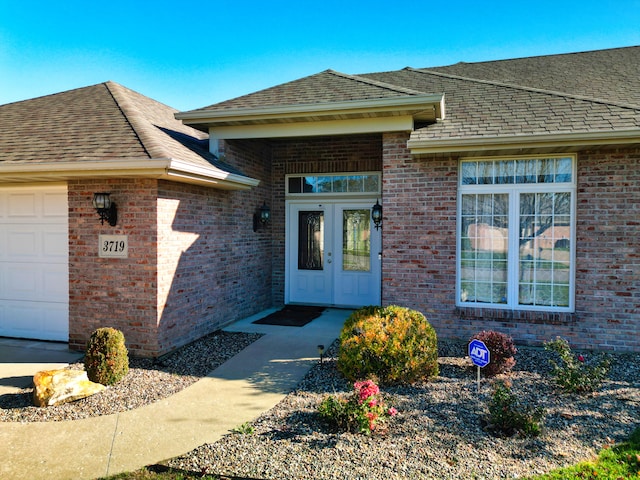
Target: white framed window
(516, 233)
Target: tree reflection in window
(310, 240)
(355, 240)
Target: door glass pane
(310, 240)
(356, 247)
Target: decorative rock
(53, 387)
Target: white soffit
(316, 128)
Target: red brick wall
(113, 292)
(419, 244)
(212, 268)
(608, 255)
(418, 235)
(194, 262)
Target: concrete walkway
(238, 391)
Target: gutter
(164, 168)
(545, 140)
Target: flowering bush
(575, 374)
(364, 411)
(507, 416)
(394, 344)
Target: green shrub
(363, 412)
(574, 373)
(245, 429)
(106, 360)
(507, 416)
(393, 344)
(502, 350)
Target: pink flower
(366, 389)
(372, 403)
(392, 411)
(580, 358)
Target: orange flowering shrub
(393, 344)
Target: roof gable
(105, 129)
(329, 102)
(325, 87)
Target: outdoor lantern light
(261, 217)
(321, 352)
(376, 215)
(105, 208)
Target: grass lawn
(155, 473)
(617, 462)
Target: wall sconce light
(376, 215)
(261, 217)
(105, 208)
(321, 352)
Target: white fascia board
(279, 112)
(306, 129)
(166, 168)
(523, 141)
(88, 168)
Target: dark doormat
(292, 316)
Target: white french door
(333, 254)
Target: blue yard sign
(479, 353)
(480, 356)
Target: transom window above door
(334, 184)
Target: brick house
(510, 194)
(191, 254)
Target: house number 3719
(114, 246)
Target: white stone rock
(53, 387)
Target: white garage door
(34, 262)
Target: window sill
(518, 316)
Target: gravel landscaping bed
(147, 381)
(437, 432)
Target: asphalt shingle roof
(612, 75)
(481, 108)
(584, 92)
(572, 93)
(100, 122)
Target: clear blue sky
(190, 54)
